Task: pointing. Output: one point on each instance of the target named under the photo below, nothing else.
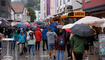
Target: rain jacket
(78, 44)
(44, 36)
(21, 38)
(38, 35)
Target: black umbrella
(11, 27)
(82, 30)
(3, 23)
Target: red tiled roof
(18, 7)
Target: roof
(17, 7)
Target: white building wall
(76, 5)
(12, 15)
(18, 17)
(53, 8)
(37, 15)
(42, 9)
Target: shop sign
(101, 44)
(79, 13)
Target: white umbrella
(90, 20)
(68, 26)
(100, 25)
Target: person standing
(78, 46)
(38, 36)
(31, 42)
(21, 41)
(60, 44)
(69, 51)
(44, 38)
(51, 42)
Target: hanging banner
(101, 38)
(45, 8)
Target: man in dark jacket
(78, 46)
(44, 37)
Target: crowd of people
(55, 41)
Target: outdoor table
(8, 57)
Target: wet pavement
(39, 55)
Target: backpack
(61, 42)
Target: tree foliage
(32, 14)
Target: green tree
(32, 14)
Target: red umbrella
(26, 23)
(68, 30)
(35, 24)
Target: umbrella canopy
(32, 27)
(11, 27)
(101, 25)
(90, 20)
(26, 23)
(68, 26)
(3, 23)
(68, 30)
(39, 22)
(21, 25)
(82, 30)
(35, 24)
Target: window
(18, 15)
(60, 2)
(64, 1)
(87, 0)
(68, 0)
(3, 3)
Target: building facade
(20, 12)
(95, 7)
(42, 9)
(50, 8)
(5, 8)
(37, 14)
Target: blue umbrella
(21, 25)
(32, 27)
(39, 22)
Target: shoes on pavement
(68, 58)
(21, 54)
(44, 49)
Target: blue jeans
(60, 54)
(31, 47)
(13, 43)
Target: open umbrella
(32, 27)
(3, 23)
(21, 25)
(26, 23)
(35, 24)
(82, 30)
(68, 26)
(39, 22)
(68, 30)
(90, 20)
